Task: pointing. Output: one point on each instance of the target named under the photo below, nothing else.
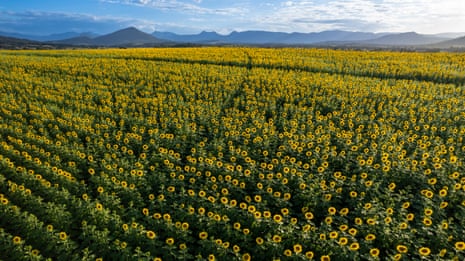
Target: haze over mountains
(132, 37)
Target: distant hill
(80, 40)
(454, 43)
(329, 36)
(450, 35)
(128, 36)
(125, 37)
(132, 37)
(48, 38)
(255, 37)
(335, 38)
(15, 44)
(266, 37)
(203, 37)
(405, 39)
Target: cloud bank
(42, 23)
(193, 16)
(427, 16)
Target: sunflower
(185, 226)
(427, 221)
(410, 216)
(16, 240)
(150, 234)
(237, 225)
(460, 246)
(374, 252)
(277, 218)
(443, 252)
(354, 246)
(403, 225)
(288, 252)
(309, 254)
(343, 227)
(401, 249)
(443, 192)
(246, 257)
(353, 231)
(332, 210)
(285, 211)
(277, 238)
(328, 220)
(145, 211)
(343, 241)
(63, 235)
(297, 248)
(203, 235)
(424, 251)
(251, 208)
(309, 215)
(344, 211)
(392, 186)
(370, 237)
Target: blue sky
(193, 16)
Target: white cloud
(191, 16)
(181, 6)
(427, 16)
(44, 23)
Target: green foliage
(231, 154)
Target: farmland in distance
(231, 154)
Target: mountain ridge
(335, 38)
(132, 37)
(406, 39)
(268, 37)
(126, 36)
(48, 38)
(453, 43)
(12, 43)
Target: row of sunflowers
(231, 154)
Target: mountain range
(265, 37)
(132, 37)
(126, 37)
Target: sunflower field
(231, 153)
